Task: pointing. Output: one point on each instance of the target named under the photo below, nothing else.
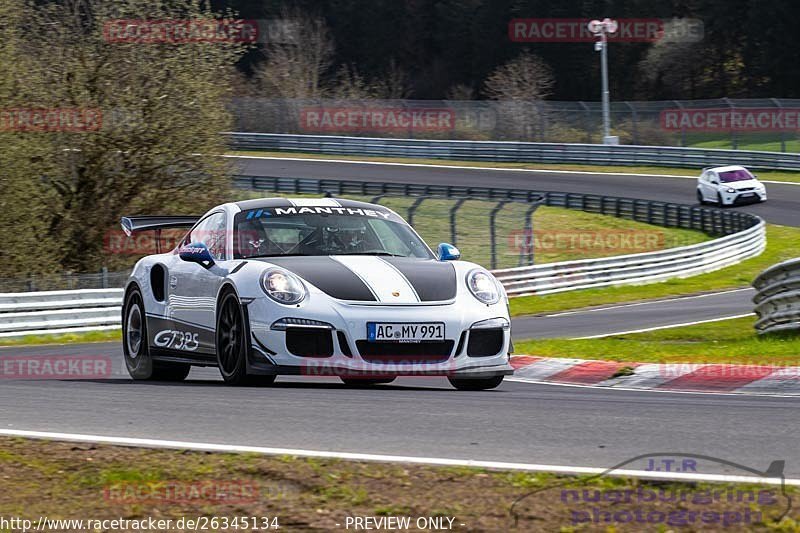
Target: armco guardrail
(778, 298)
(743, 237)
(36, 313)
(634, 269)
(594, 154)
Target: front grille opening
(405, 352)
(343, 344)
(309, 342)
(485, 342)
(461, 340)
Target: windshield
(735, 175)
(271, 233)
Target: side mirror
(714, 182)
(448, 252)
(197, 252)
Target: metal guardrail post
(529, 237)
(782, 132)
(734, 138)
(412, 209)
(588, 121)
(493, 233)
(634, 122)
(683, 130)
(453, 212)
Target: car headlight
(730, 190)
(282, 286)
(482, 286)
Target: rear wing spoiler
(131, 225)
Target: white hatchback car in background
(730, 185)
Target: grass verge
(724, 341)
(84, 481)
(769, 175)
(64, 338)
(782, 243)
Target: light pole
(601, 28)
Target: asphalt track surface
(421, 417)
(425, 417)
(635, 316)
(783, 206)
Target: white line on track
(658, 391)
(434, 461)
(648, 302)
(462, 167)
(670, 326)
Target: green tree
(163, 107)
(25, 204)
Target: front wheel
(476, 384)
(720, 201)
(231, 343)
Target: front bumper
(743, 197)
(341, 348)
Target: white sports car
(326, 286)
(729, 185)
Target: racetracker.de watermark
(379, 119)
(50, 119)
(632, 30)
(187, 492)
(743, 371)
(581, 242)
(730, 119)
(61, 367)
(181, 31)
(390, 366)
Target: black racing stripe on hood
(328, 275)
(433, 280)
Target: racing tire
(135, 349)
(231, 344)
(700, 199)
(365, 382)
(476, 384)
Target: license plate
(405, 331)
(748, 195)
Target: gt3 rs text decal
(176, 340)
(177, 336)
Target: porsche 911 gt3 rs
(274, 286)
